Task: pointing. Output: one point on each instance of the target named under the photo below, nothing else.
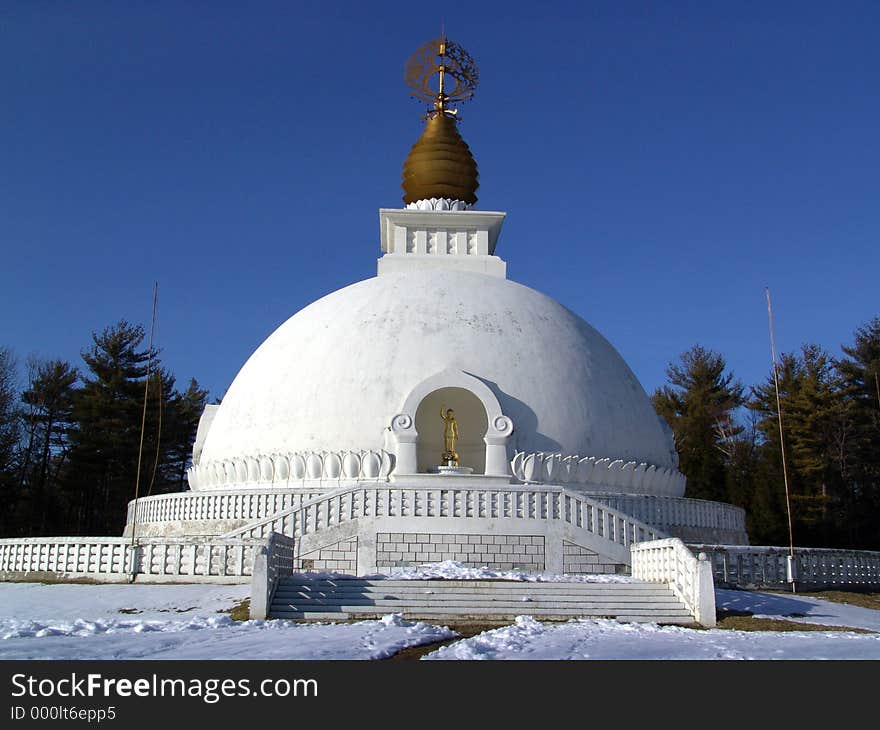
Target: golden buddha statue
(450, 436)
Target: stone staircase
(321, 599)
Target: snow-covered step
(476, 600)
(629, 584)
(517, 589)
(298, 597)
(458, 598)
(480, 615)
(514, 610)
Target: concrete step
(458, 600)
(435, 591)
(439, 590)
(682, 618)
(392, 601)
(363, 584)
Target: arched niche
(406, 436)
(472, 420)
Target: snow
(64, 621)
(807, 609)
(179, 622)
(71, 601)
(607, 639)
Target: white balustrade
(667, 513)
(108, 557)
(526, 503)
(214, 504)
(757, 566)
(690, 578)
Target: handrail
(256, 529)
(690, 578)
(517, 502)
(272, 561)
(216, 504)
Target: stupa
(438, 410)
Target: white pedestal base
(456, 471)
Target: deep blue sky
(660, 164)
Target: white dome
(333, 376)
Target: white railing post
(669, 561)
(272, 561)
(260, 581)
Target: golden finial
(456, 72)
(440, 164)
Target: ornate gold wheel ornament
(456, 72)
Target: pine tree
(815, 420)
(104, 446)
(741, 453)
(699, 405)
(49, 401)
(859, 451)
(186, 410)
(9, 436)
(109, 420)
(171, 422)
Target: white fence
(671, 513)
(272, 560)
(114, 559)
(669, 561)
(691, 519)
(816, 568)
(215, 505)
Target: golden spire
(440, 164)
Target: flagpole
(137, 478)
(791, 564)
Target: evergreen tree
(171, 422)
(69, 454)
(859, 449)
(185, 411)
(9, 435)
(49, 415)
(815, 422)
(699, 404)
(114, 432)
(104, 447)
(741, 466)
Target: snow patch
(528, 638)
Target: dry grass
(465, 632)
(240, 611)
